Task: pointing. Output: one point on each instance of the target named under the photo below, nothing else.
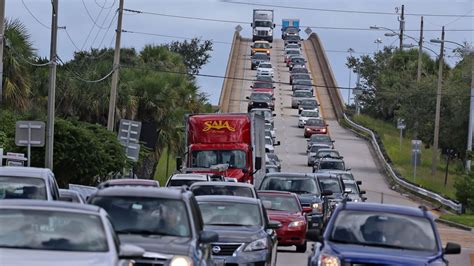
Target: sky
(91, 24)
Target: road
(356, 151)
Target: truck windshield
(263, 24)
(235, 158)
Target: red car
(315, 126)
(285, 208)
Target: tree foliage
(195, 54)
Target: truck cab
(262, 25)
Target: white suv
(265, 69)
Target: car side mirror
(348, 169)
(326, 193)
(273, 98)
(248, 98)
(333, 141)
(251, 86)
(208, 237)
(273, 225)
(274, 114)
(128, 251)
(251, 25)
(258, 163)
(274, 87)
(363, 192)
(276, 143)
(358, 182)
(274, 25)
(451, 249)
(363, 198)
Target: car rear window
(222, 190)
(13, 187)
(315, 122)
(291, 184)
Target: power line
(169, 36)
(248, 23)
(33, 15)
(94, 21)
(21, 57)
(78, 77)
(346, 11)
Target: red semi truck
(234, 139)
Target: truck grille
(262, 33)
(224, 249)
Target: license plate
(219, 262)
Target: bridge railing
(224, 99)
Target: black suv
(167, 223)
(258, 58)
(260, 100)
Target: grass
(160, 173)
(401, 158)
(465, 219)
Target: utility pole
(402, 26)
(471, 113)
(434, 158)
(2, 37)
(350, 50)
(420, 51)
(359, 92)
(52, 87)
(116, 65)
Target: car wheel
(301, 248)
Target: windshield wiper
(137, 231)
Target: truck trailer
(235, 139)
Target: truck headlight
(328, 260)
(258, 244)
(181, 261)
(270, 31)
(296, 224)
(318, 207)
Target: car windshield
(297, 59)
(146, 215)
(331, 184)
(296, 185)
(280, 203)
(299, 70)
(320, 138)
(293, 52)
(302, 82)
(261, 56)
(315, 122)
(273, 156)
(352, 186)
(387, 230)
(292, 46)
(309, 113)
(12, 187)
(261, 45)
(306, 94)
(293, 38)
(227, 190)
(264, 24)
(52, 230)
(205, 159)
(230, 213)
(335, 165)
(264, 78)
(268, 141)
(262, 85)
(260, 97)
(331, 153)
(265, 65)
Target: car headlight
(181, 261)
(258, 244)
(328, 260)
(318, 207)
(296, 224)
(308, 129)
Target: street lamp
(471, 105)
(350, 51)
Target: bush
(465, 190)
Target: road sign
(401, 123)
(30, 133)
(129, 135)
(308, 30)
(15, 159)
(416, 144)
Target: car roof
(290, 175)
(44, 204)
(222, 183)
(276, 192)
(321, 145)
(261, 109)
(24, 171)
(152, 192)
(220, 198)
(130, 181)
(190, 176)
(331, 159)
(398, 209)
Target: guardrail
(339, 108)
(224, 98)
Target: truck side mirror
(274, 25)
(251, 25)
(258, 163)
(248, 98)
(358, 182)
(179, 163)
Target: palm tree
(18, 51)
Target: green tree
(194, 53)
(18, 51)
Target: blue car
(377, 234)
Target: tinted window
(265, 65)
(230, 213)
(320, 138)
(333, 154)
(352, 186)
(263, 85)
(293, 52)
(299, 70)
(222, 190)
(261, 45)
(316, 148)
(296, 185)
(336, 165)
(386, 230)
(307, 94)
(260, 97)
(315, 122)
(280, 203)
(181, 182)
(22, 188)
(143, 215)
(330, 184)
(52, 230)
(264, 24)
(302, 82)
(306, 113)
(261, 56)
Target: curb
(454, 224)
